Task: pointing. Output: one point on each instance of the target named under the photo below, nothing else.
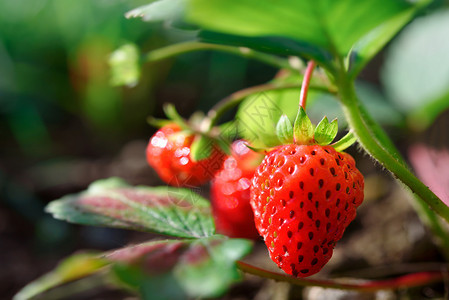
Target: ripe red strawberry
(230, 193)
(304, 197)
(168, 152)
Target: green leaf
(274, 45)
(203, 267)
(368, 46)
(72, 268)
(161, 10)
(413, 78)
(325, 132)
(327, 24)
(201, 147)
(303, 128)
(284, 130)
(125, 66)
(161, 287)
(259, 113)
(113, 203)
(209, 268)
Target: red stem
(305, 84)
(405, 281)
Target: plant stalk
(405, 281)
(305, 84)
(374, 140)
(186, 47)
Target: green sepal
(325, 132)
(158, 123)
(284, 130)
(303, 128)
(201, 147)
(344, 142)
(258, 150)
(224, 145)
(172, 114)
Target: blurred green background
(62, 125)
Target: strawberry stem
(375, 141)
(404, 281)
(305, 84)
(186, 47)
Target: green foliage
(325, 24)
(161, 10)
(259, 113)
(113, 203)
(203, 265)
(71, 268)
(172, 269)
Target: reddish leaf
(111, 202)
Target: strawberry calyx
(205, 139)
(303, 132)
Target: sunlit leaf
(368, 46)
(113, 203)
(161, 10)
(327, 24)
(259, 113)
(70, 269)
(202, 267)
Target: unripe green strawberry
(304, 197)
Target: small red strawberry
(304, 196)
(230, 193)
(169, 153)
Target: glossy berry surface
(230, 193)
(304, 197)
(168, 152)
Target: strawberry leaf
(284, 130)
(113, 203)
(71, 268)
(317, 26)
(162, 10)
(203, 267)
(201, 147)
(303, 128)
(325, 132)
